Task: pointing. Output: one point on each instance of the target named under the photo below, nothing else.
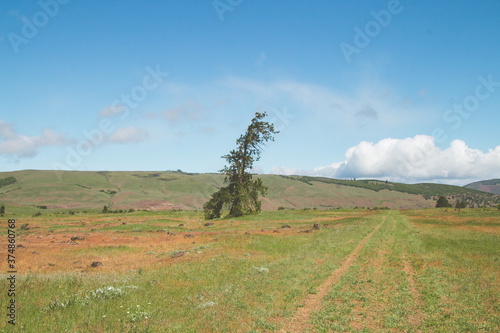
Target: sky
(404, 91)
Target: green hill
(490, 186)
(179, 190)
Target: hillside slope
(490, 186)
(178, 190)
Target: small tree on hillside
(498, 206)
(443, 202)
(240, 196)
(2, 210)
(460, 205)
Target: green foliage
(213, 207)
(241, 195)
(427, 190)
(442, 202)
(110, 192)
(2, 209)
(498, 206)
(461, 204)
(105, 209)
(7, 181)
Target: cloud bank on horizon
(412, 159)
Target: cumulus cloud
(411, 159)
(127, 135)
(19, 145)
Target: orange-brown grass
(39, 252)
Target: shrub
(443, 202)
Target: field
(362, 271)
(164, 190)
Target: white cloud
(19, 145)
(411, 159)
(127, 135)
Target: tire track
(301, 320)
(417, 315)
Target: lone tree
(460, 205)
(443, 202)
(241, 195)
(2, 209)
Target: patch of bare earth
(417, 315)
(301, 320)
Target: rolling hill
(178, 190)
(490, 186)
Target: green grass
(456, 275)
(255, 282)
(238, 283)
(78, 190)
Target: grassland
(78, 190)
(362, 271)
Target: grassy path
(300, 321)
(408, 278)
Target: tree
(241, 194)
(2, 210)
(460, 204)
(105, 209)
(443, 202)
(498, 206)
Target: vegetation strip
(417, 315)
(301, 320)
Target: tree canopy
(241, 195)
(443, 202)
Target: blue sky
(400, 90)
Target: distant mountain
(163, 190)
(490, 186)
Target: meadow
(169, 271)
